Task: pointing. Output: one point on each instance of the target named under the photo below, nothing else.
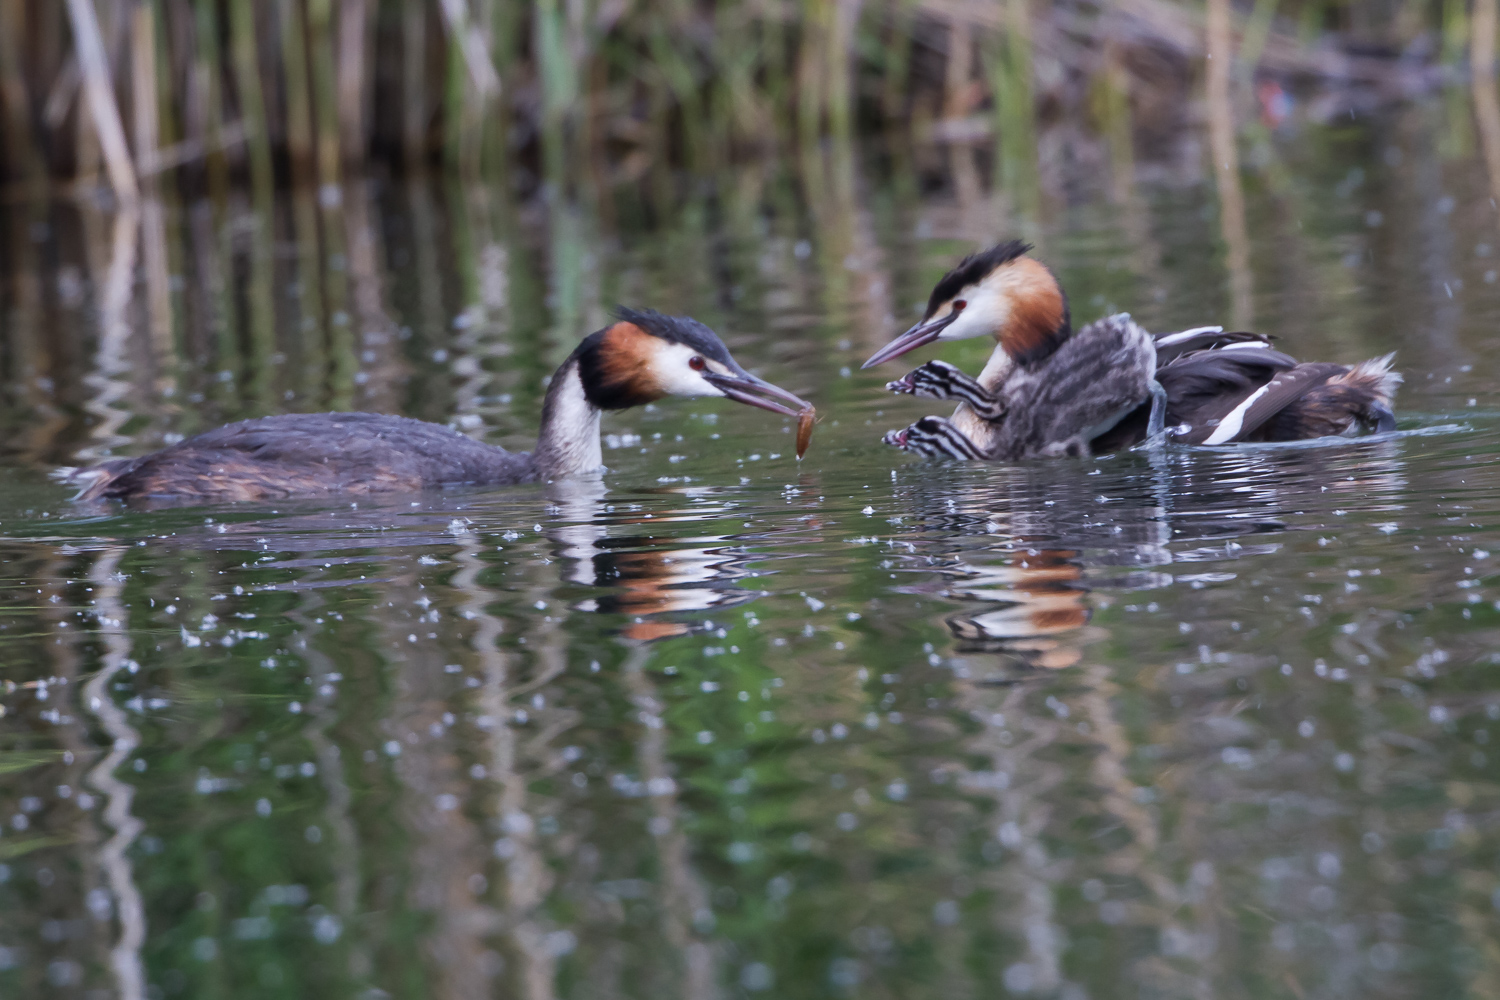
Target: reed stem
(252, 98)
(601, 87)
(299, 122)
(320, 50)
(352, 33)
(143, 95)
(414, 105)
(98, 87)
(15, 98)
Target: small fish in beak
(805, 421)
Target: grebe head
(646, 356)
(1000, 293)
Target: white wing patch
(1177, 338)
(1231, 424)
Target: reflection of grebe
(644, 576)
(1048, 390)
(1043, 609)
(646, 580)
(644, 357)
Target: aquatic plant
(308, 91)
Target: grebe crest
(646, 356)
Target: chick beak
(742, 387)
(924, 332)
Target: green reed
(313, 91)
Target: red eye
(958, 305)
(696, 363)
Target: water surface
(1196, 723)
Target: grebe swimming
(1050, 390)
(642, 357)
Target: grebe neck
(997, 370)
(569, 440)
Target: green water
(1204, 723)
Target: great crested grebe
(1050, 390)
(642, 357)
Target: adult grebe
(643, 357)
(1049, 390)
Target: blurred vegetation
(305, 91)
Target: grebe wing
(1363, 394)
(1204, 380)
(1239, 419)
(1171, 346)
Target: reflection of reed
(1222, 146)
(312, 339)
(110, 363)
(65, 664)
(260, 308)
(429, 318)
(449, 850)
(158, 289)
(1138, 858)
(481, 346)
(856, 284)
(333, 261)
(1017, 779)
(30, 347)
(345, 857)
(527, 876)
(685, 900)
(382, 369)
(125, 957)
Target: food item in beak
(805, 421)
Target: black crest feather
(973, 268)
(608, 384)
(678, 330)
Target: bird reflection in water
(1040, 611)
(1059, 536)
(1029, 545)
(647, 577)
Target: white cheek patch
(986, 312)
(670, 366)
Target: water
(1210, 722)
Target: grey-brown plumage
(1092, 380)
(1224, 388)
(644, 356)
(305, 454)
(1295, 402)
(1049, 390)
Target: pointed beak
(742, 387)
(924, 332)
